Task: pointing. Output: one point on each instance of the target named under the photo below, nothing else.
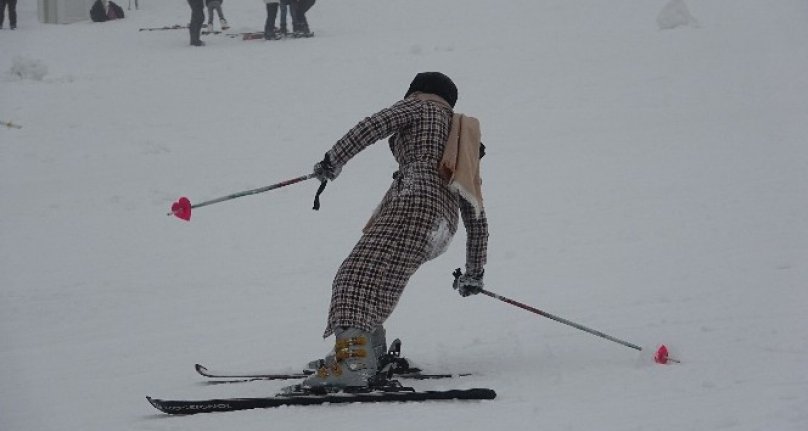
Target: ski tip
(158, 404)
(485, 393)
(201, 369)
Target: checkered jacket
(415, 220)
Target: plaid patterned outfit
(414, 222)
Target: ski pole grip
(457, 273)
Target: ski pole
(660, 356)
(182, 207)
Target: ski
(259, 35)
(168, 27)
(204, 371)
(402, 394)
(225, 377)
(391, 364)
(409, 376)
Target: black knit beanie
(434, 83)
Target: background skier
(197, 18)
(12, 13)
(215, 6)
(300, 24)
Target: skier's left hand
(467, 285)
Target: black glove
(325, 171)
(467, 285)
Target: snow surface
(649, 184)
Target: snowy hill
(647, 183)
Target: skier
(12, 13)
(286, 9)
(197, 18)
(105, 10)
(216, 6)
(438, 177)
(300, 25)
(270, 32)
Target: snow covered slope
(647, 183)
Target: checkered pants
(370, 281)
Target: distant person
(197, 18)
(270, 32)
(104, 10)
(216, 6)
(286, 9)
(12, 13)
(300, 24)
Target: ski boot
(353, 364)
(301, 31)
(302, 34)
(222, 23)
(378, 344)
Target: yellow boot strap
(343, 354)
(344, 344)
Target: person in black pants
(269, 26)
(12, 13)
(197, 17)
(286, 9)
(299, 23)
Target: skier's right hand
(325, 171)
